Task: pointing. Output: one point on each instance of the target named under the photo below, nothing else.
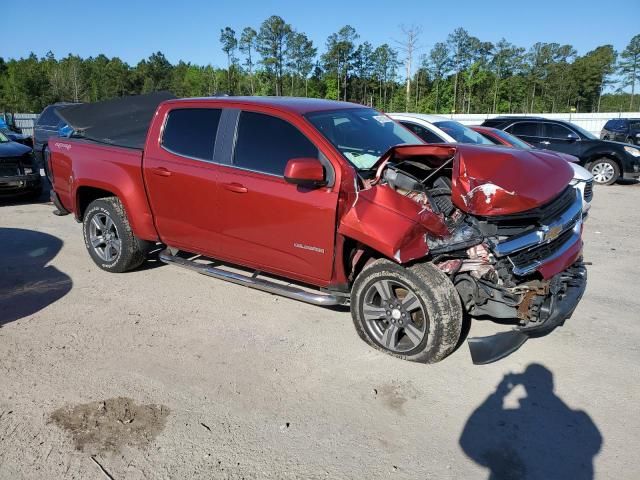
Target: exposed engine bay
(511, 267)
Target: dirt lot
(162, 373)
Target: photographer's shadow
(540, 439)
(28, 283)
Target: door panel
(183, 191)
(268, 222)
(556, 138)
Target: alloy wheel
(394, 315)
(104, 237)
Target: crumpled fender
(391, 224)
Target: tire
(436, 311)
(119, 250)
(605, 171)
(45, 164)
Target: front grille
(538, 254)
(9, 170)
(588, 190)
(509, 225)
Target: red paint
(302, 170)
(568, 258)
(264, 222)
(390, 223)
(490, 181)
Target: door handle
(544, 142)
(235, 187)
(161, 171)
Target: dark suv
(607, 161)
(622, 130)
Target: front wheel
(109, 238)
(605, 171)
(412, 313)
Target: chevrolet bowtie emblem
(551, 233)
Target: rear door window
(524, 129)
(265, 144)
(191, 132)
(555, 130)
(424, 133)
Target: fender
(391, 224)
(122, 176)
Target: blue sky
(189, 30)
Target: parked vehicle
(339, 199)
(18, 173)
(14, 134)
(48, 125)
(437, 129)
(582, 178)
(625, 130)
(607, 161)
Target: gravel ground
(163, 373)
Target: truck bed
(122, 122)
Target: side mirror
(572, 137)
(307, 172)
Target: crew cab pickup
(330, 203)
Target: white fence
(24, 121)
(592, 122)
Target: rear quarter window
(191, 132)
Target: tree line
(461, 74)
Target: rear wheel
(412, 313)
(605, 171)
(109, 238)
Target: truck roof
(298, 105)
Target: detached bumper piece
(566, 290)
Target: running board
(253, 281)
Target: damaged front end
(504, 225)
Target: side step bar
(322, 299)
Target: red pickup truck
(340, 200)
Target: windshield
(513, 140)
(362, 135)
(461, 133)
(584, 132)
(3, 139)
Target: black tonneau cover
(121, 122)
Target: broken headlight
(463, 236)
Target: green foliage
(461, 74)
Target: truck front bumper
(558, 308)
(17, 184)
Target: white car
(438, 129)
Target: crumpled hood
(491, 181)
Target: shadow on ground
(27, 283)
(539, 437)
